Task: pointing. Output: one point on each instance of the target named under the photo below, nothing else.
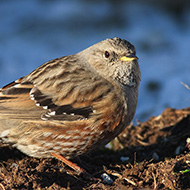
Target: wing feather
(58, 90)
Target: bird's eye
(107, 54)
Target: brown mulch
(153, 155)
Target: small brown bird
(73, 104)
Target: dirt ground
(153, 155)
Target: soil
(152, 155)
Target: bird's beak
(130, 58)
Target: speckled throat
(125, 75)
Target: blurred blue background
(33, 32)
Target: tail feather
(16, 105)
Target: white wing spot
(52, 113)
(32, 97)
(4, 133)
(47, 115)
(43, 118)
(16, 85)
(17, 80)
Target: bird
(74, 104)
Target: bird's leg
(69, 163)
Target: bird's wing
(58, 90)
